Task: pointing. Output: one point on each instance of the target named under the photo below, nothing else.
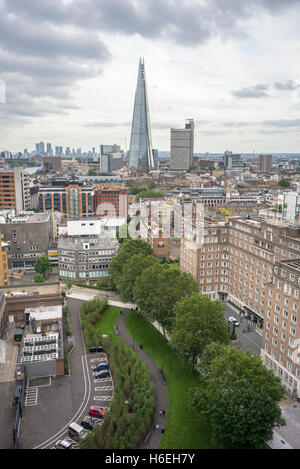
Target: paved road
(247, 340)
(160, 389)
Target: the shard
(140, 153)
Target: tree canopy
(42, 265)
(198, 322)
(132, 269)
(126, 250)
(158, 289)
(239, 396)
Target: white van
(76, 431)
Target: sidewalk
(160, 389)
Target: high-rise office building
(140, 153)
(265, 163)
(49, 149)
(42, 147)
(14, 189)
(182, 146)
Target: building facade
(71, 199)
(28, 236)
(265, 163)
(111, 203)
(14, 189)
(85, 259)
(182, 146)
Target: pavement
(246, 340)
(160, 388)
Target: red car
(96, 411)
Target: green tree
(284, 183)
(132, 269)
(127, 249)
(39, 278)
(198, 321)
(42, 265)
(135, 190)
(157, 290)
(239, 397)
(149, 194)
(92, 172)
(151, 185)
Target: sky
(68, 72)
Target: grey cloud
(257, 91)
(51, 44)
(288, 85)
(184, 21)
(283, 122)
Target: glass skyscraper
(140, 153)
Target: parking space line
(104, 388)
(102, 380)
(103, 398)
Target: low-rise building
(85, 259)
(28, 236)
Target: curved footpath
(160, 389)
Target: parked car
(63, 444)
(88, 423)
(101, 366)
(102, 374)
(76, 431)
(96, 349)
(233, 321)
(96, 411)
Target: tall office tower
(37, 147)
(42, 147)
(265, 163)
(140, 153)
(182, 146)
(49, 149)
(111, 158)
(228, 159)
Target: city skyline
(69, 80)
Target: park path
(160, 388)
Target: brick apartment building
(111, 202)
(281, 336)
(240, 260)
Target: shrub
(39, 278)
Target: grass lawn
(106, 325)
(184, 430)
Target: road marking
(103, 398)
(102, 380)
(104, 388)
(31, 397)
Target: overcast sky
(70, 69)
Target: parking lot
(101, 393)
